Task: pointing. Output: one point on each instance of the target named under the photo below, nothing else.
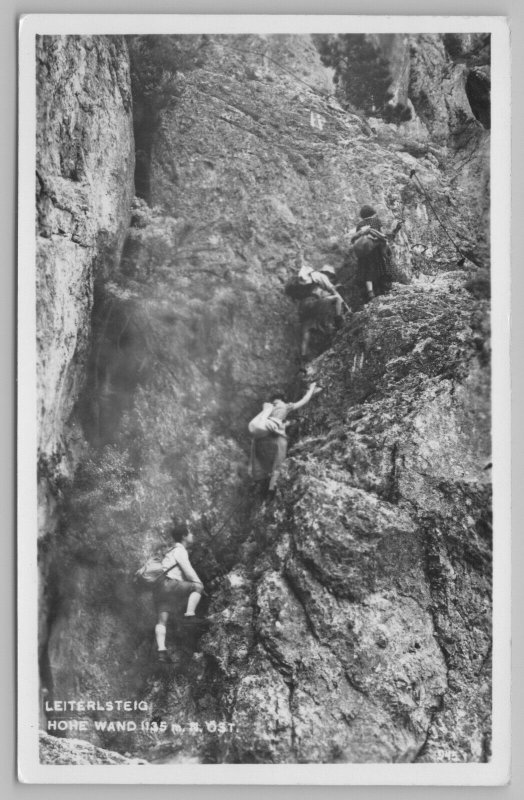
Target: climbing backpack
(258, 428)
(369, 232)
(147, 576)
(297, 289)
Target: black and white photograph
(263, 399)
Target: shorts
(172, 595)
(316, 310)
(267, 455)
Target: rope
(413, 175)
(323, 96)
(327, 113)
(337, 294)
(278, 63)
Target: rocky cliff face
(368, 636)
(351, 617)
(84, 186)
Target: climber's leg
(338, 314)
(190, 620)
(306, 335)
(369, 290)
(160, 630)
(383, 280)
(273, 480)
(280, 457)
(192, 603)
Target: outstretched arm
(323, 280)
(313, 389)
(395, 230)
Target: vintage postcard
(264, 399)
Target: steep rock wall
(443, 82)
(369, 586)
(350, 619)
(84, 186)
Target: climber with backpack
(320, 304)
(269, 439)
(373, 253)
(177, 588)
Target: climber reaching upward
(373, 253)
(320, 304)
(269, 438)
(179, 588)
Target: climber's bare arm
(313, 389)
(187, 569)
(395, 230)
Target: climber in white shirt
(180, 586)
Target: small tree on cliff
(361, 73)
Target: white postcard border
(495, 772)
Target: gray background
(9, 13)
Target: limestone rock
(385, 578)
(84, 184)
(351, 617)
(84, 187)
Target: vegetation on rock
(361, 71)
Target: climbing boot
(163, 657)
(371, 295)
(195, 622)
(270, 495)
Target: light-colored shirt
(322, 280)
(178, 560)
(323, 285)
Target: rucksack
(258, 427)
(364, 246)
(297, 289)
(147, 576)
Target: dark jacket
(373, 222)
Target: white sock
(160, 635)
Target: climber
(320, 304)
(269, 438)
(180, 586)
(373, 253)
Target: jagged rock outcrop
(434, 78)
(371, 628)
(350, 618)
(443, 82)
